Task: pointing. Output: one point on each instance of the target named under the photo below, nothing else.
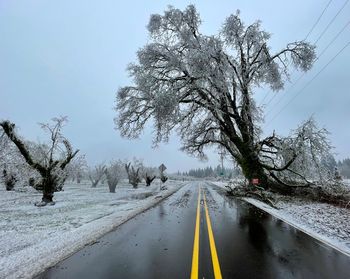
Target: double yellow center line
(214, 255)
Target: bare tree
(9, 179)
(133, 175)
(149, 179)
(77, 168)
(203, 86)
(13, 164)
(96, 174)
(56, 155)
(113, 174)
(148, 174)
(8, 173)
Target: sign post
(163, 178)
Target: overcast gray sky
(69, 58)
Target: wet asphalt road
(159, 244)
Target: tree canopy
(202, 86)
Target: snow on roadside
(325, 222)
(33, 239)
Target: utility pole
(222, 154)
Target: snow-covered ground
(32, 238)
(327, 223)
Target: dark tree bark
(149, 180)
(163, 178)
(9, 180)
(133, 175)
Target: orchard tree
(77, 168)
(133, 173)
(8, 156)
(149, 174)
(114, 172)
(49, 160)
(149, 179)
(14, 169)
(203, 87)
(96, 174)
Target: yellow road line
(214, 254)
(195, 256)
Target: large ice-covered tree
(203, 86)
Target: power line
(334, 38)
(319, 37)
(262, 101)
(310, 81)
(308, 34)
(317, 21)
(318, 57)
(332, 20)
(285, 93)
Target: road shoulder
(307, 224)
(327, 223)
(32, 260)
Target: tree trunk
(49, 184)
(112, 188)
(252, 169)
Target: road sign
(162, 167)
(255, 181)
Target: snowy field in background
(34, 238)
(325, 222)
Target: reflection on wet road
(160, 244)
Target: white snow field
(327, 223)
(35, 238)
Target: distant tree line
(212, 172)
(341, 167)
(330, 163)
(344, 167)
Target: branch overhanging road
(200, 233)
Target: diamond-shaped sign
(162, 167)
